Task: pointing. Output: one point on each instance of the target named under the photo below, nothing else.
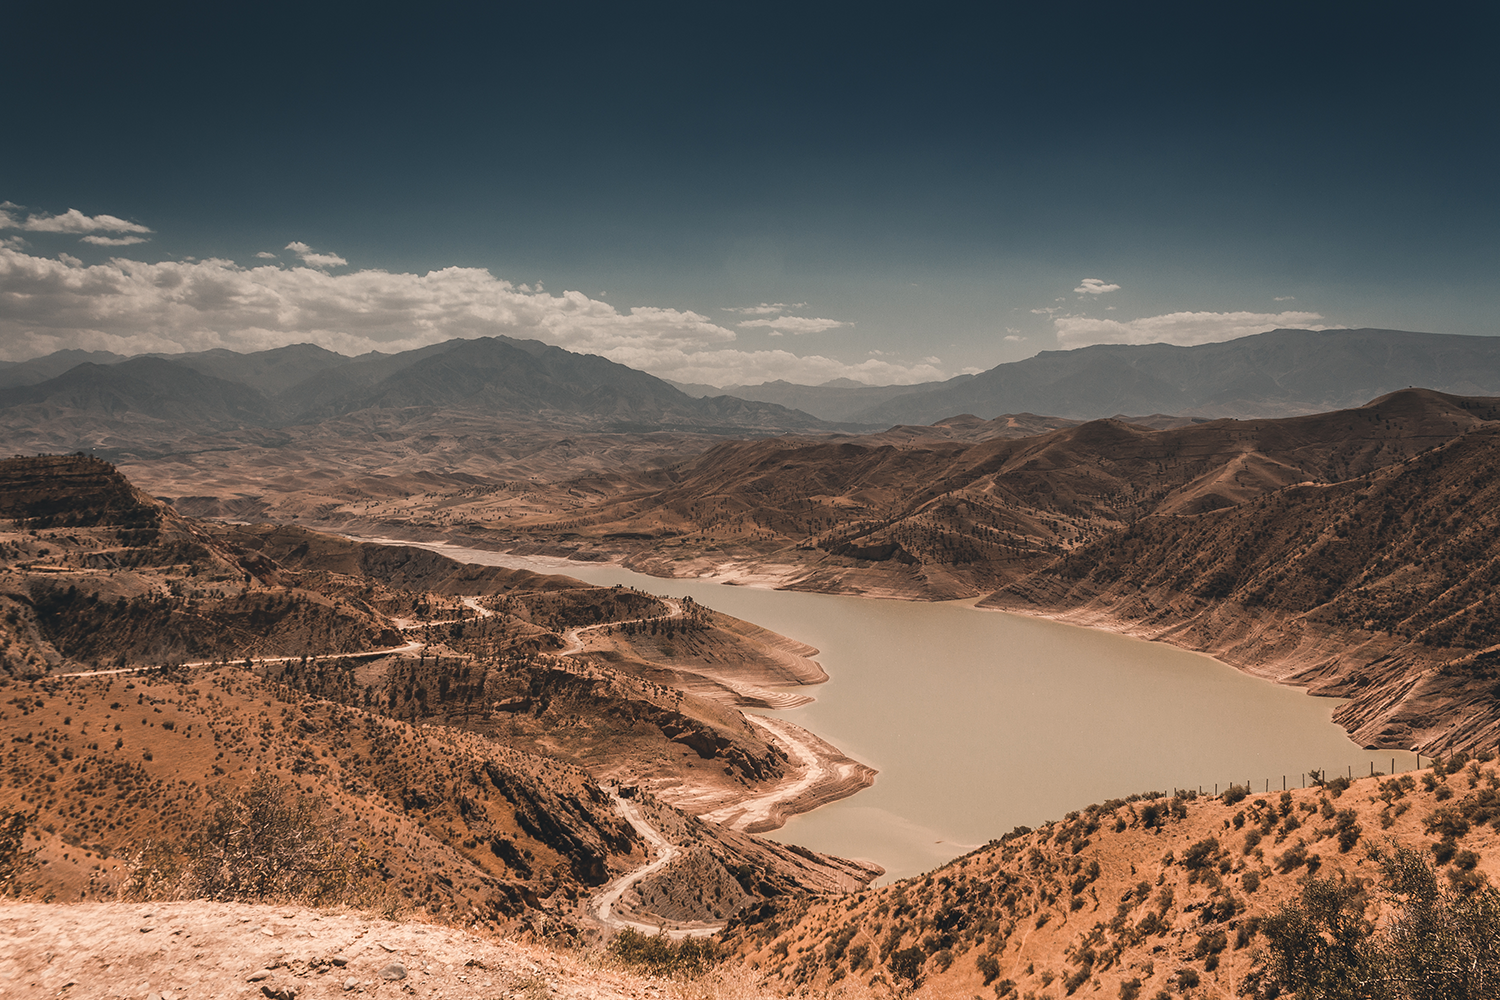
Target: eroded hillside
(464, 733)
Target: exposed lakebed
(981, 721)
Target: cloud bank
(1183, 329)
(132, 307)
(1095, 286)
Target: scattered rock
(339, 960)
(284, 993)
(393, 972)
(147, 930)
(385, 946)
(258, 975)
(351, 984)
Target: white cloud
(1012, 338)
(764, 309)
(131, 307)
(795, 324)
(312, 258)
(1181, 328)
(1285, 298)
(1045, 311)
(71, 221)
(266, 255)
(1095, 286)
(113, 241)
(12, 242)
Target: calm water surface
(981, 721)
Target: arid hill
(1160, 896)
(162, 676)
(1381, 588)
(1345, 551)
(936, 519)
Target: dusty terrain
(449, 725)
(1166, 893)
(1270, 543)
(197, 950)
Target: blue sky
(732, 193)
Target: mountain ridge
(1278, 373)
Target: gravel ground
(195, 950)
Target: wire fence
(1306, 779)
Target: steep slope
(1280, 373)
(1154, 895)
(148, 402)
(1380, 588)
(931, 518)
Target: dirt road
(603, 904)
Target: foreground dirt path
(199, 950)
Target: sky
(732, 193)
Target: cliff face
(1381, 589)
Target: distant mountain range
(75, 398)
(97, 399)
(1277, 374)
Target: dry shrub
(260, 843)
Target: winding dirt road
(573, 635)
(602, 906)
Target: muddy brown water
(982, 721)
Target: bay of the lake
(980, 721)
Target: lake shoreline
(945, 704)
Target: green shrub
(659, 955)
(907, 964)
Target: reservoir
(982, 721)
